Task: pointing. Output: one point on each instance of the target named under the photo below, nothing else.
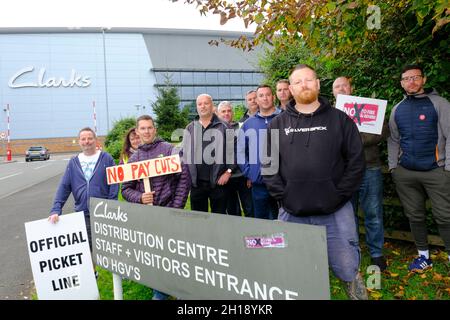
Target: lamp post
(106, 78)
(8, 146)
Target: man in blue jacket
(419, 160)
(85, 177)
(250, 139)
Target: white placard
(367, 113)
(60, 258)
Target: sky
(110, 13)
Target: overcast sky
(109, 13)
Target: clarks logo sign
(42, 81)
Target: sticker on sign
(2, 135)
(272, 241)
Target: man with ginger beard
(321, 165)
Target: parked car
(41, 153)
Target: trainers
(420, 264)
(380, 262)
(356, 290)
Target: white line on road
(11, 175)
(43, 166)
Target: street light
(106, 77)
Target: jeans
(342, 239)
(370, 197)
(158, 295)
(264, 206)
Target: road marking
(11, 175)
(43, 166)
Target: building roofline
(34, 30)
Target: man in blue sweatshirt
(321, 165)
(85, 177)
(249, 156)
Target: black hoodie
(321, 160)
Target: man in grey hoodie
(419, 159)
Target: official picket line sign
(367, 113)
(144, 170)
(199, 255)
(61, 259)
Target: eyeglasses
(413, 78)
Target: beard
(307, 96)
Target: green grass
(399, 284)
(396, 283)
(131, 290)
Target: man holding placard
(170, 190)
(85, 177)
(370, 193)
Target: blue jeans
(264, 205)
(342, 239)
(158, 295)
(370, 196)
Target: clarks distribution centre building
(55, 81)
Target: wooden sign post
(135, 171)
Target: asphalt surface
(27, 191)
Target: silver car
(40, 153)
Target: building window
(211, 78)
(223, 78)
(235, 78)
(199, 78)
(186, 78)
(187, 93)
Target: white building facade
(56, 81)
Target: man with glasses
(419, 159)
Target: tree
(333, 25)
(114, 139)
(168, 114)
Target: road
(27, 190)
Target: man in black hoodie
(321, 165)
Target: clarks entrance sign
(198, 255)
(42, 80)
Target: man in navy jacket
(85, 177)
